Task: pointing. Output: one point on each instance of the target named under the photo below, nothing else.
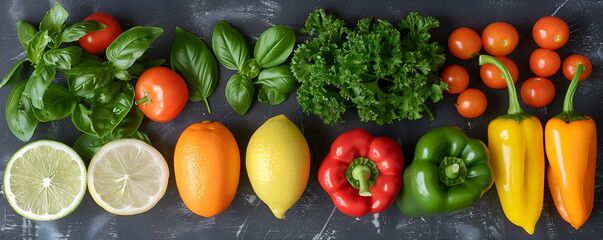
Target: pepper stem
(362, 173)
(515, 111)
(453, 171)
(568, 114)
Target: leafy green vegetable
(37, 84)
(86, 77)
(131, 45)
(78, 30)
(197, 64)
(53, 23)
(229, 46)
(63, 58)
(19, 113)
(386, 73)
(81, 119)
(279, 78)
(110, 105)
(58, 103)
(26, 32)
(239, 93)
(250, 69)
(271, 95)
(141, 136)
(12, 76)
(36, 46)
(274, 46)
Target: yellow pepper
(571, 148)
(515, 141)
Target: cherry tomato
(544, 63)
(464, 43)
(471, 103)
(161, 94)
(537, 92)
(550, 32)
(570, 63)
(493, 78)
(97, 41)
(500, 38)
(456, 77)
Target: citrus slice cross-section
(127, 177)
(45, 180)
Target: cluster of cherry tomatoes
(500, 39)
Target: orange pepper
(571, 149)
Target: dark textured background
(314, 215)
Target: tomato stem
(568, 114)
(145, 99)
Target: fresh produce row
(386, 72)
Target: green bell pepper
(449, 172)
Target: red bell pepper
(362, 173)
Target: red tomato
(550, 32)
(570, 63)
(456, 77)
(464, 43)
(165, 91)
(97, 41)
(492, 77)
(544, 63)
(537, 92)
(500, 38)
(471, 103)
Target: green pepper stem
(568, 114)
(452, 171)
(362, 173)
(514, 107)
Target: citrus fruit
(127, 177)
(278, 164)
(207, 163)
(45, 180)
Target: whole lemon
(278, 164)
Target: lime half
(45, 180)
(127, 177)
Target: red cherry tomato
(537, 92)
(464, 43)
(165, 93)
(97, 41)
(456, 77)
(500, 38)
(544, 63)
(493, 78)
(550, 33)
(471, 103)
(570, 63)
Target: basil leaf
(271, 96)
(26, 32)
(36, 46)
(58, 103)
(87, 145)
(274, 46)
(250, 69)
(229, 46)
(191, 58)
(13, 74)
(86, 77)
(81, 119)
(37, 84)
(63, 58)
(122, 74)
(130, 45)
(78, 30)
(53, 23)
(19, 114)
(110, 105)
(141, 136)
(239, 93)
(130, 124)
(279, 78)
(138, 68)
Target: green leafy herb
(37, 84)
(229, 46)
(53, 23)
(274, 46)
(12, 76)
(36, 46)
(81, 119)
(19, 113)
(86, 77)
(78, 30)
(63, 58)
(58, 103)
(279, 78)
(239, 93)
(191, 58)
(271, 95)
(110, 105)
(386, 73)
(131, 45)
(26, 32)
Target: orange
(207, 165)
